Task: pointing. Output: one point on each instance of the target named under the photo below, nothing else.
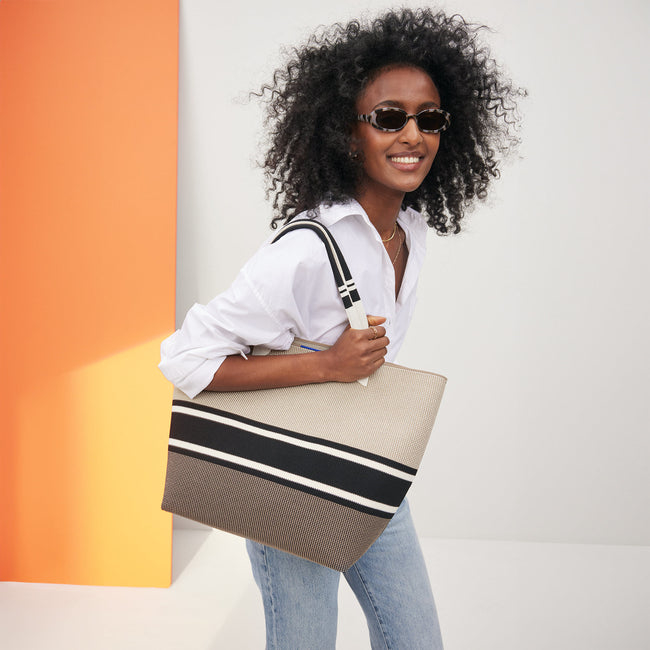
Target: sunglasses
(430, 120)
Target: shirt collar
(409, 219)
(328, 215)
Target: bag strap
(347, 288)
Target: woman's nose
(410, 132)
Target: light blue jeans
(390, 582)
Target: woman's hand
(357, 353)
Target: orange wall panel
(88, 132)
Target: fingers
(359, 353)
(378, 356)
(377, 332)
(374, 326)
(378, 359)
(371, 339)
(375, 320)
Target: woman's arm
(356, 354)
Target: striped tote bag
(315, 470)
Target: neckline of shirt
(408, 219)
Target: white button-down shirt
(287, 290)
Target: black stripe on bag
(298, 436)
(336, 472)
(280, 481)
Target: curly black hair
(311, 110)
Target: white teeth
(408, 160)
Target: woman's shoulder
(296, 251)
(304, 242)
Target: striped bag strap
(347, 289)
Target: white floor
(490, 596)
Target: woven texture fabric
(392, 416)
(314, 470)
(279, 516)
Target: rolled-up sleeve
(259, 308)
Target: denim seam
(269, 591)
(374, 607)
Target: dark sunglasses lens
(431, 121)
(390, 118)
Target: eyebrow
(392, 102)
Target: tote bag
(316, 470)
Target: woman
(369, 123)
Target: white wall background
(538, 313)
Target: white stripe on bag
(288, 476)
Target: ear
(355, 138)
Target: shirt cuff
(198, 379)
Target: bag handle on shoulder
(347, 288)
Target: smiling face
(395, 162)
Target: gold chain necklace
(385, 241)
(399, 249)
